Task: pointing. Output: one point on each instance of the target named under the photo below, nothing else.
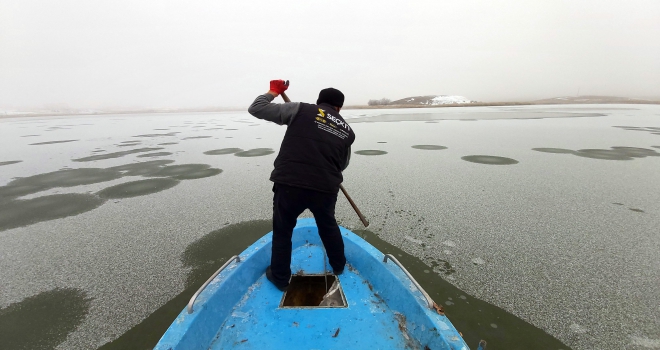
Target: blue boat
(374, 304)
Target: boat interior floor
(259, 321)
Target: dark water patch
(429, 147)
(117, 154)
(640, 128)
(655, 146)
(196, 137)
(187, 171)
(636, 210)
(474, 120)
(605, 154)
(199, 174)
(214, 129)
(30, 135)
(370, 152)
(17, 213)
(137, 188)
(255, 152)
(168, 143)
(254, 124)
(651, 129)
(10, 162)
(162, 129)
(636, 152)
(155, 154)
(198, 126)
(127, 144)
(490, 160)
(69, 177)
(231, 129)
(217, 246)
(202, 258)
(381, 142)
(43, 321)
(618, 203)
(52, 128)
(98, 150)
(173, 133)
(61, 178)
(229, 137)
(471, 316)
(553, 150)
(614, 153)
(141, 168)
(51, 142)
(217, 152)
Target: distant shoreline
(499, 104)
(398, 106)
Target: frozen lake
(544, 219)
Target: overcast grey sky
(197, 53)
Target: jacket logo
(332, 118)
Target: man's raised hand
(278, 86)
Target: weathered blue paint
(240, 308)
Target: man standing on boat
(308, 171)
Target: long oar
(357, 211)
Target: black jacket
(315, 149)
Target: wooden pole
(359, 213)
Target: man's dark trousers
(288, 203)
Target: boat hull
(241, 309)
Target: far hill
(431, 100)
(460, 101)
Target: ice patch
(478, 261)
(449, 243)
(645, 342)
(413, 240)
(576, 328)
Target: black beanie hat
(331, 96)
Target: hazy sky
(194, 53)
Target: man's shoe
(269, 275)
